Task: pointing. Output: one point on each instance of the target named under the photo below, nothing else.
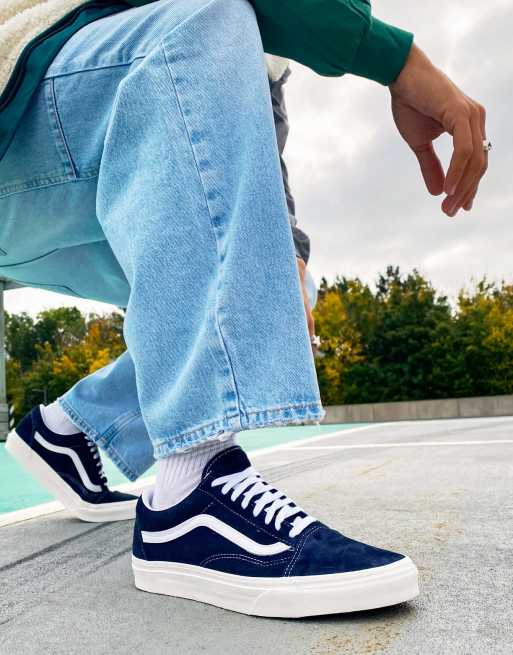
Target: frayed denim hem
(263, 418)
(300, 414)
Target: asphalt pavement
(440, 491)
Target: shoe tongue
(231, 460)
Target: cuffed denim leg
(191, 200)
(181, 154)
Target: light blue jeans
(146, 174)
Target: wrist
(416, 67)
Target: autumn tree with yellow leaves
(49, 354)
(404, 341)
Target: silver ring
(487, 145)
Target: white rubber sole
(292, 597)
(52, 482)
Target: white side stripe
(61, 450)
(226, 531)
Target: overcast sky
(360, 196)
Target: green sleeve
(333, 37)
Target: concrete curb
(421, 409)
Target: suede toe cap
(326, 551)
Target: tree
(408, 343)
(341, 347)
(483, 338)
(55, 351)
(59, 328)
(398, 341)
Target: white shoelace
(277, 505)
(96, 455)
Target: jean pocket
(38, 155)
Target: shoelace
(278, 506)
(96, 456)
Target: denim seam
(95, 436)
(120, 424)
(178, 445)
(57, 135)
(188, 19)
(80, 421)
(92, 69)
(199, 428)
(122, 465)
(89, 174)
(46, 285)
(58, 127)
(164, 443)
(284, 407)
(207, 207)
(42, 182)
(111, 432)
(33, 260)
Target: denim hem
(298, 414)
(262, 418)
(104, 440)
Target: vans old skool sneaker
(239, 543)
(69, 467)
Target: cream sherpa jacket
(23, 20)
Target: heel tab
(137, 542)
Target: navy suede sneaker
(239, 543)
(69, 467)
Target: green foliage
(49, 354)
(57, 327)
(398, 341)
(403, 341)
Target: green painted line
(18, 490)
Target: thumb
(431, 167)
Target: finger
(431, 168)
(463, 149)
(475, 170)
(468, 202)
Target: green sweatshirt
(332, 37)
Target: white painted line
(328, 435)
(45, 509)
(405, 444)
(30, 513)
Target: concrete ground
(440, 491)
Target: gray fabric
(301, 240)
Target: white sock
(56, 419)
(178, 475)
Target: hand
(425, 104)
(301, 266)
